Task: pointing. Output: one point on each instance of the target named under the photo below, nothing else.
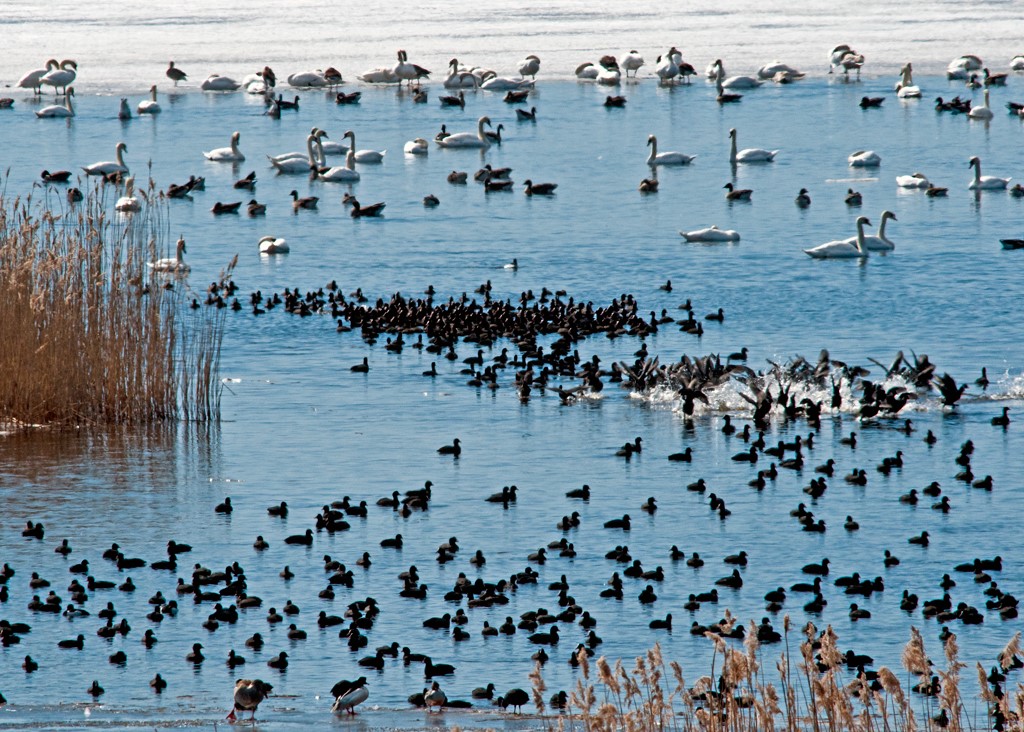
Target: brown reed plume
(90, 336)
(654, 696)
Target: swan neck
(120, 154)
(881, 227)
(234, 145)
(860, 235)
(313, 147)
(732, 150)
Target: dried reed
(89, 336)
(653, 697)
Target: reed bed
(88, 335)
(811, 690)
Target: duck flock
(531, 348)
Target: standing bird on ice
(248, 695)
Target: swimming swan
(109, 166)
(291, 165)
(175, 265)
(219, 83)
(985, 182)
(417, 147)
(149, 106)
(301, 155)
(711, 234)
(864, 159)
(468, 139)
(1017, 62)
(666, 158)
(878, 242)
(61, 77)
(273, 245)
(227, 154)
(128, 202)
(346, 173)
(59, 110)
(842, 248)
(905, 88)
(982, 111)
(364, 156)
(751, 154)
(917, 180)
(31, 79)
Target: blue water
(299, 426)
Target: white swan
(666, 158)
(227, 154)
(504, 83)
(985, 182)
(31, 79)
(308, 80)
(586, 71)
(981, 111)
(769, 71)
(149, 106)
(842, 248)
(59, 110)
(632, 61)
(459, 78)
(346, 173)
(404, 70)
(292, 165)
(175, 265)
(917, 180)
(273, 245)
(529, 66)
(299, 154)
(1017, 62)
(864, 159)
(734, 82)
(215, 82)
(667, 69)
(379, 76)
(109, 166)
(469, 139)
(329, 147)
(61, 77)
(711, 234)
(609, 77)
(128, 202)
(905, 88)
(750, 154)
(417, 147)
(364, 156)
(960, 68)
(878, 242)
(741, 82)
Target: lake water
(299, 426)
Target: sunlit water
(299, 426)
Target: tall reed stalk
(88, 335)
(834, 696)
